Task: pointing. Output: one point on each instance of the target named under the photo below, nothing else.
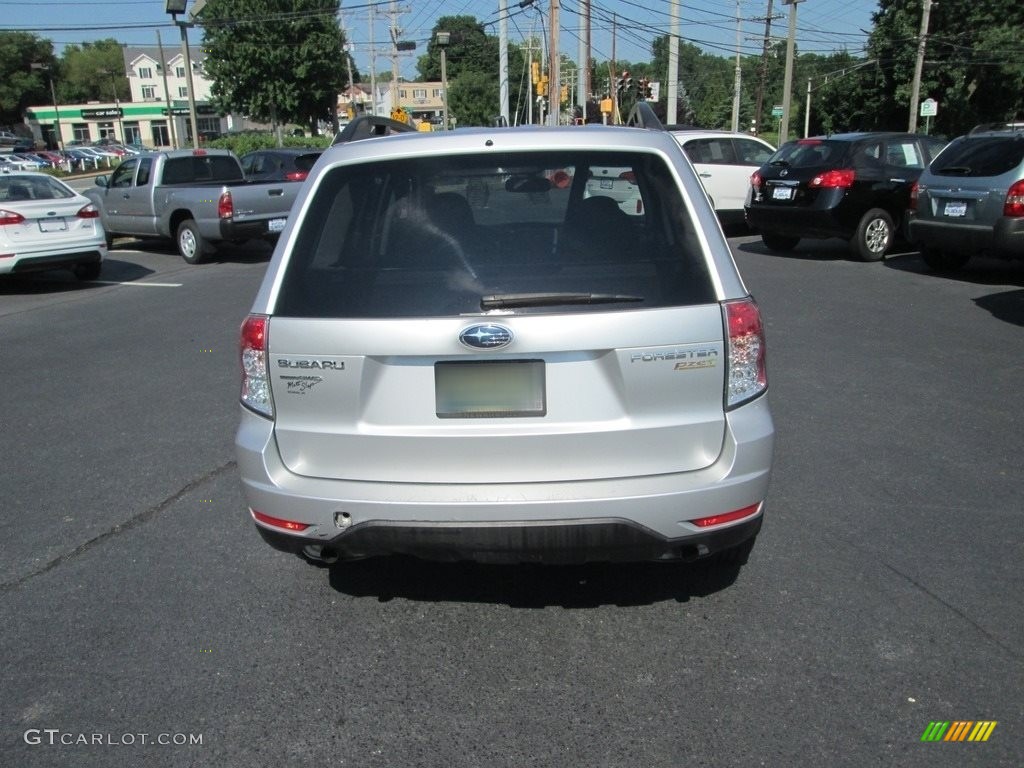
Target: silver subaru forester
(505, 345)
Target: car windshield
(510, 232)
(980, 156)
(809, 153)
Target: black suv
(850, 185)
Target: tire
(191, 245)
(943, 261)
(874, 236)
(109, 237)
(779, 243)
(86, 272)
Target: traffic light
(542, 86)
(645, 89)
(535, 72)
(564, 95)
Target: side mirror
(102, 181)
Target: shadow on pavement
(1007, 306)
(530, 586)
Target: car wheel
(88, 271)
(874, 235)
(779, 243)
(109, 237)
(943, 261)
(191, 245)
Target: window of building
(161, 138)
(437, 93)
(419, 93)
(149, 92)
(183, 92)
(81, 132)
(132, 133)
(145, 72)
(179, 71)
(106, 130)
(402, 93)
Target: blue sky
(822, 25)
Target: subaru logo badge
(486, 336)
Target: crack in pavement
(142, 517)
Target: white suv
(461, 349)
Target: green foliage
(20, 85)
(93, 72)
(241, 143)
(471, 50)
(473, 98)
(276, 60)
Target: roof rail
(642, 116)
(1005, 126)
(365, 126)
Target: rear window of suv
(811, 153)
(980, 156)
(443, 236)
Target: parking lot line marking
(144, 285)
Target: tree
(276, 60)
(93, 72)
(20, 85)
(973, 66)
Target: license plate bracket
(276, 225)
(782, 193)
(489, 389)
(53, 225)
(955, 208)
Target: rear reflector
(726, 517)
(288, 525)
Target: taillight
(747, 376)
(914, 191)
(727, 517)
(10, 217)
(255, 375)
(1014, 205)
(628, 176)
(755, 180)
(561, 179)
(225, 206)
(840, 179)
(89, 211)
(277, 522)
(296, 175)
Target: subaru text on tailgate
(464, 349)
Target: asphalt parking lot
(147, 624)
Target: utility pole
(764, 68)
(584, 59)
(394, 55)
(787, 86)
(673, 62)
(915, 88)
(503, 60)
(167, 93)
(554, 91)
(739, 74)
(373, 67)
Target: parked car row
(949, 200)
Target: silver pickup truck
(198, 197)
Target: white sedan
(724, 162)
(45, 224)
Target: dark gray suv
(971, 200)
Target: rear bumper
(237, 231)
(31, 262)
(626, 518)
(1005, 238)
(550, 541)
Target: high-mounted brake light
(10, 217)
(199, 152)
(277, 522)
(225, 206)
(727, 517)
(1014, 205)
(747, 375)
(89, 211)
(296, 175)
(840, 179)
(255, 375)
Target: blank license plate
(53, 225)
(955, 208)
(493, 389)
(276, 225)
(782, 193)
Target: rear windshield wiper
(508, 300)
(779, 163)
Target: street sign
(929, 108)
(777, 110)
